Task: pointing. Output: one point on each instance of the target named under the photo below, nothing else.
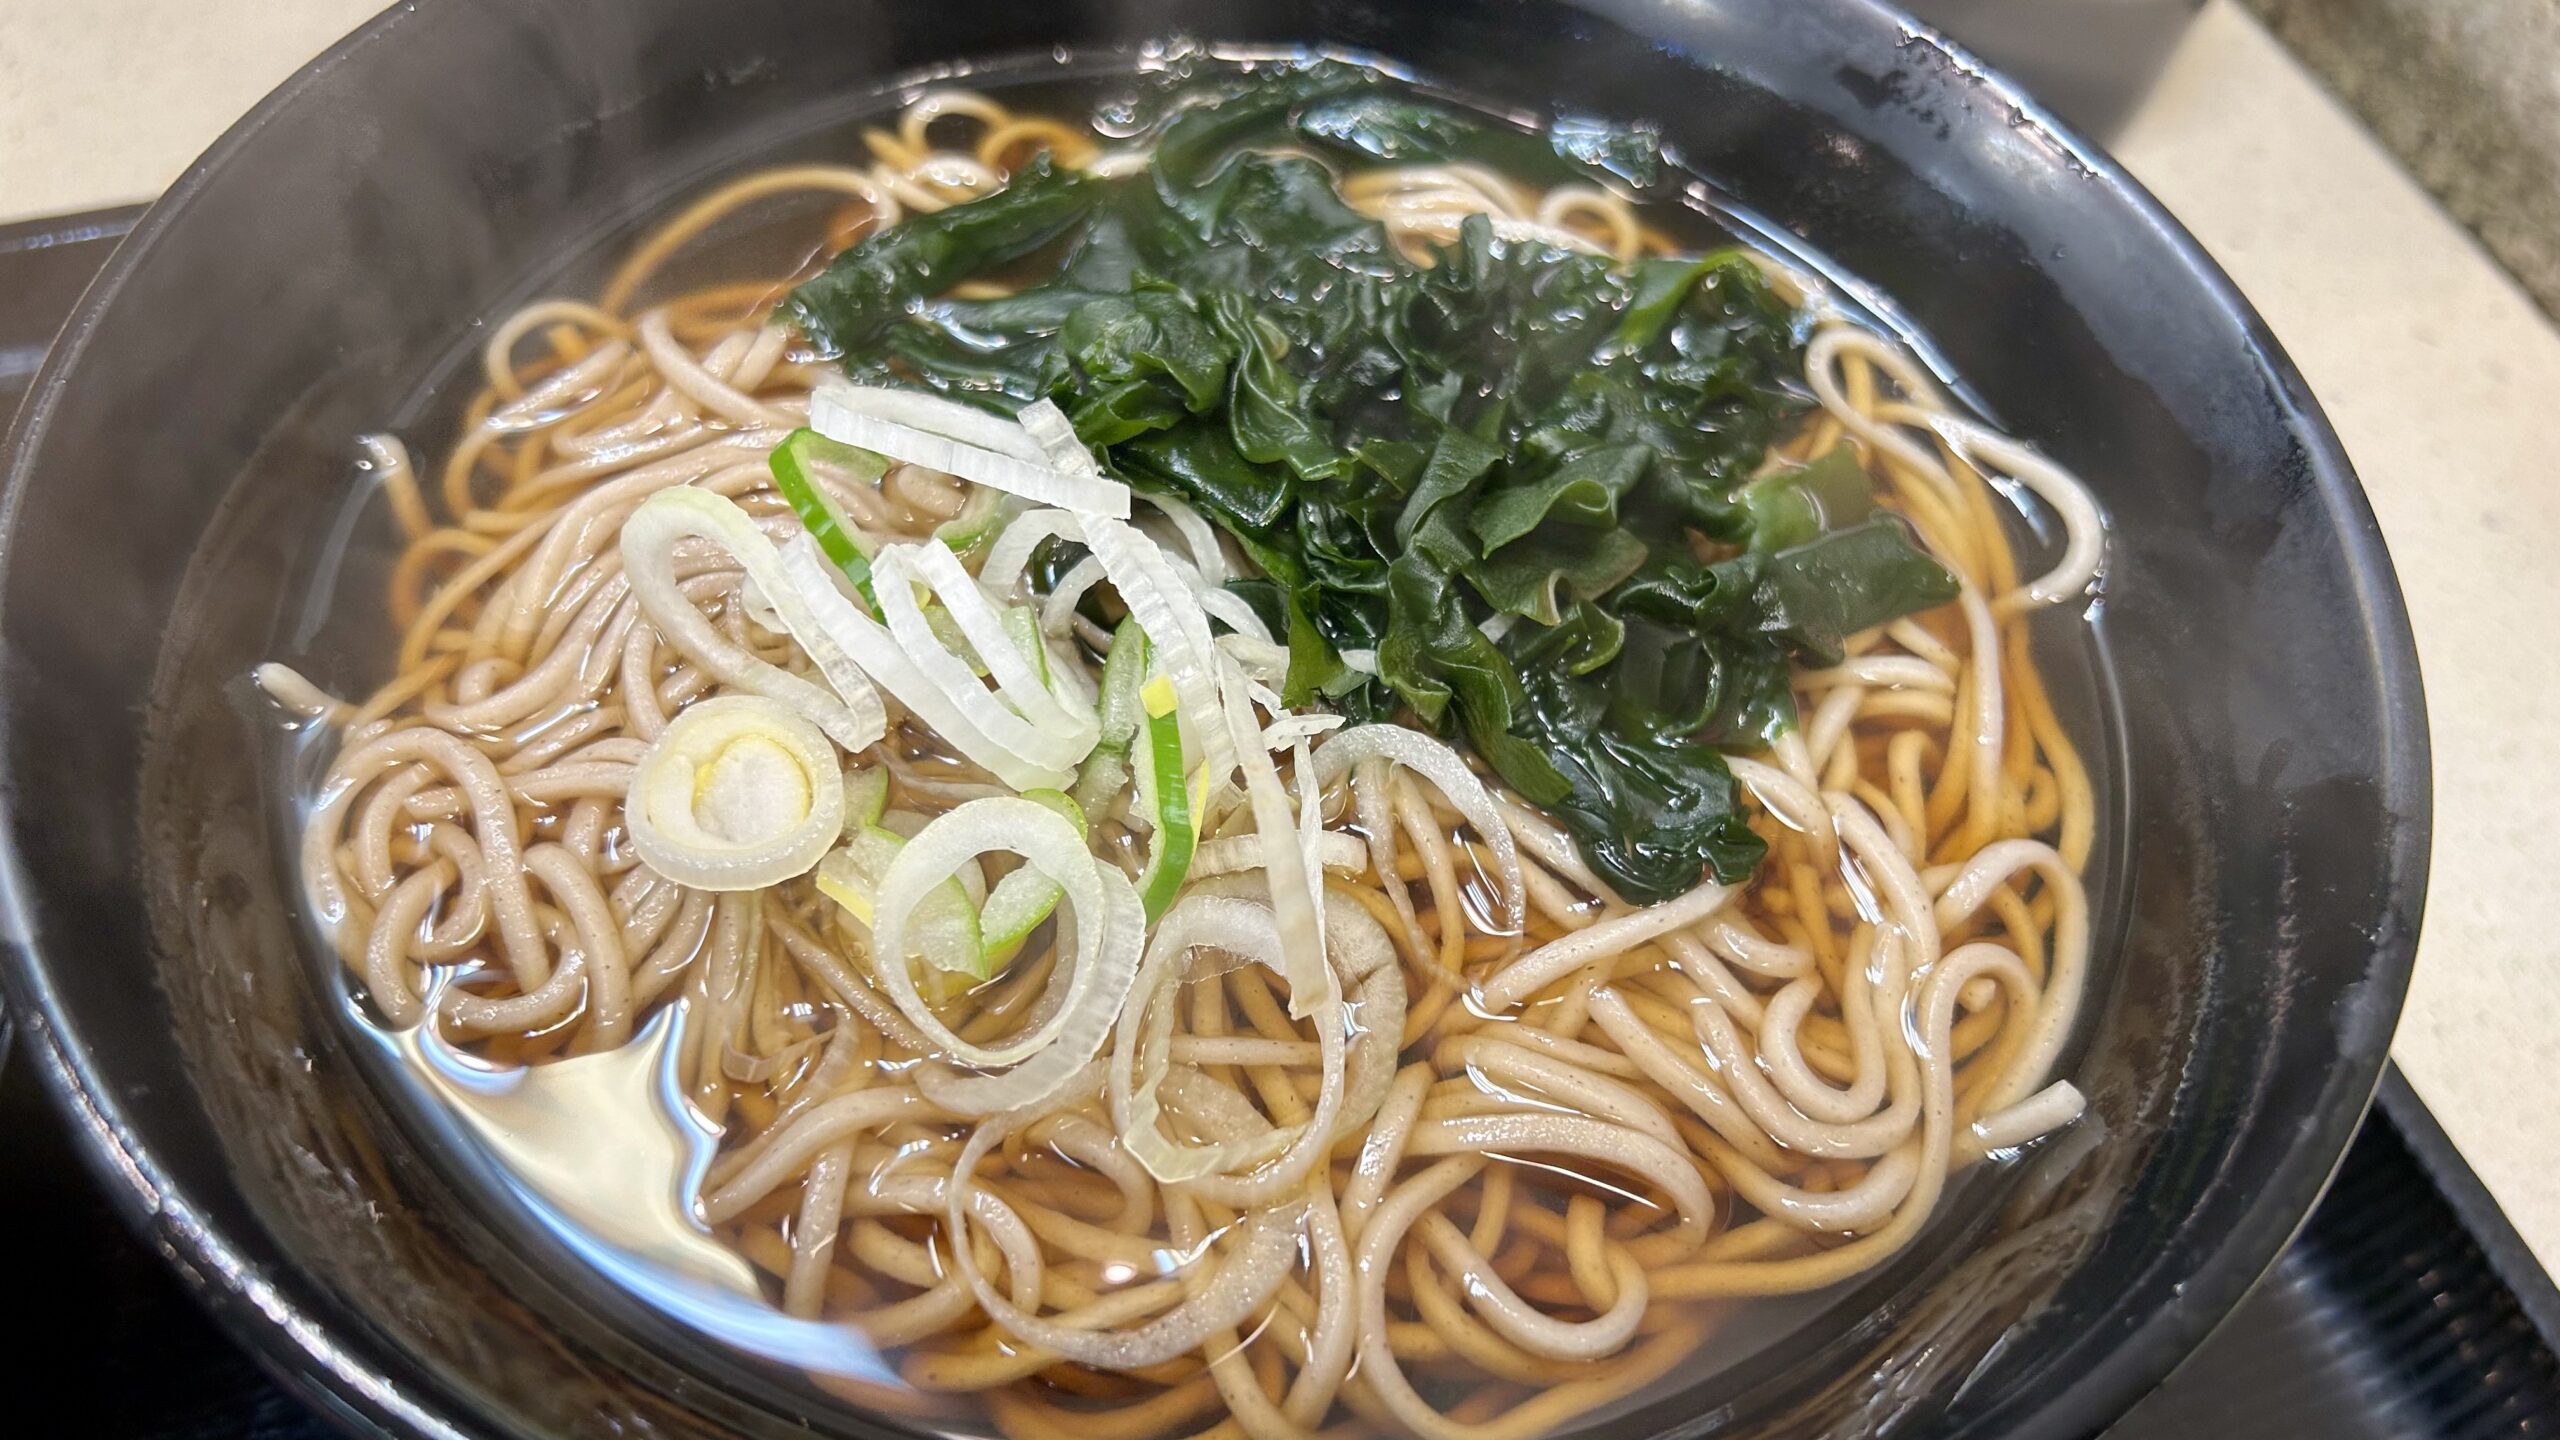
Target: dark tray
(2407, 1309)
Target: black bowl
(2258, 713)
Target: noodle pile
(1549, 1142)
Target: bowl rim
(292, 1343)
(295, 1343)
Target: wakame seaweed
(1520, 477)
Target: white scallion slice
(945, 926)
(1108, 932)
(1009, 648)
(1051, 430)
(1018, 903)
(1289, 729)
(1038, 739)
(1140, 1059)
(965, 423)
(1198, 537)
(958, 714)
(1437, 763)
(1296, 886)
(852, 716)
(1335, 850)
(738, 793)
(1237, 613)
(1001, 571)
(959, 441)
(1177, 634)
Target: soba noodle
(1498, 1209)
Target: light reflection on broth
(1524, 1163)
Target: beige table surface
(2440, 376)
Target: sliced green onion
(951, 931)
(1124, 673)
(982, 515)
(1099, 783)
(1178, 638)
(1135, 708)
(1023, 628)
(866, 795)
(1039, 734)
(1015, 908)
(1018, 903)
(837, 536)
(1066, 808)
(947, 630)
(1169, 860)
(1108, 934)
(944, 930)
(841, 880)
